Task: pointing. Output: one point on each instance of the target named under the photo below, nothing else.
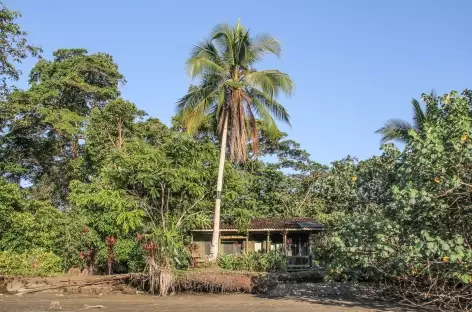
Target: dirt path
(142, 303)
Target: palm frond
(270, 82)
(194, 121)
(261, 82)
(243, 45)
(204, 57)
(418, 114)
(208, 50)
(265, 118)
(195, 105)
(281, 80)
(395, 130)
(271, 105)
(197, 65)
(264, 44)
(223, 36)
(252, 126)
(193, 96)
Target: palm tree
(233, 94)
(397, 129)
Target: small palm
(398, 130)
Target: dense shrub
(35, 262)
(256, 262)
(404, 218)
(128, 257)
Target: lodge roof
(257, 224)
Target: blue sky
(355, 63)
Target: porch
(292, 236)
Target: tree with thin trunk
(236, 96)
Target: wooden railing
(295, 263)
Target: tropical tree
(14, 47)
(233, 94)
(43, 126)
(109, 127)
(398, 129)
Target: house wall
(203, 241)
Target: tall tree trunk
(219, 187)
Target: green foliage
(14, 47)
(109, 127)
(398, 130)
(79, 164)
(170, 245)
(128, 257)
(26, 223)
(75, 80)
(254, 262)
(42, 127)
(405, 218)
(34, 262)
(156, 184)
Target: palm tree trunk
(219, 186)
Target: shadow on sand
(313, 290)
(371, 304)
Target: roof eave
(261, 230)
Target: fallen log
(20, 286)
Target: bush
(256, 262)
(35, 262)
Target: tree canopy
(14, 47)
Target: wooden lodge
(292, 236)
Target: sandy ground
(186, 303)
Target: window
(231, 247)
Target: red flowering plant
(88, 248)
(88, 258)
(110, 242)
(149, 248)
(288, 245)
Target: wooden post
(219, 244)
(310, 256)
(247, 243)
(299, 247)
(309, 244)
(284, 244)
(268, 242)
